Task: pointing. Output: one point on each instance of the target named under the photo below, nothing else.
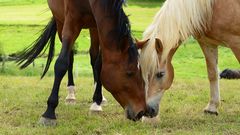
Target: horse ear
(141, 44)
(158, 45)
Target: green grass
(15, 38)
(23, 95)
(189, 61)
(81, 67)
(25, 14)
(21, 2)
(19, 27)
(22, 104)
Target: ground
(23, 100)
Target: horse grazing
(209, 22)
(119, 72)
(230, 74)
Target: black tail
(39, 46)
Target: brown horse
(120, 73)
(210, 22)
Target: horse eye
(160, 74)
(130, 73)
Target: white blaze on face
(155, 99)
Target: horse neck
(112, 41)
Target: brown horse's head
(157, 69)
(120, 73)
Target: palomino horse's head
(157, 69)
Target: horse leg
(69, 34)
(211, 56)
(97, 96)
(60, 68)
(96, 67)
(71, 99)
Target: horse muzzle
(152, 111)
(131, 115)
(153, 105)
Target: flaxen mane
(175, 22)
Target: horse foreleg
(71, 99)
(97, 97)
(211, 56)
(96, 64)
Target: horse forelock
(149, 60)
(123, 28)
(149, 63)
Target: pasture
(23, 95)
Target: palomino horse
(120, 73)
(210, 22)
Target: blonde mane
(175, 22)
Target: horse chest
(88, 21)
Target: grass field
(23, 95)
(181, 110)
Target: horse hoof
(47, 122)
(70, 101)
(210, 112)
(95, 107)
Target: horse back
(79, 10)
(225, 25)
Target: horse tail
(39, 46)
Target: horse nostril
(131, 115)
(151, 112)
(139, 115)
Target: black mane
(123, 28)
